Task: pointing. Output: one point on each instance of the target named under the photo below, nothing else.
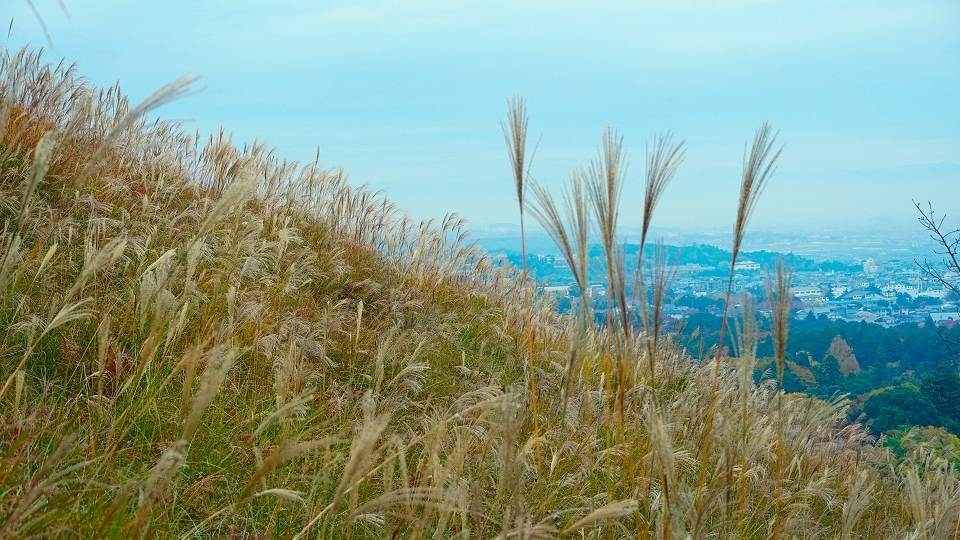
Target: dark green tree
(828, 371)
(900, 406)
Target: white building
(945, 316)
(596, 291)
(906, 289)
(807, 295)
(562, 291)
(746, 266)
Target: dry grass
(207, 341)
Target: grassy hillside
(198, 340)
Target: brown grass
(185, 355)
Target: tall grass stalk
(605, 180)
(570, 231)
(758, 166)
(515, 136)
(747, 341)
(780, 299)
(662, 164)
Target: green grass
(199, 340)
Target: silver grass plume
(171, 91)
(605, 186)
(570, 231)
(758, 166)
(515, 135)
(662, 164)
(662, 275)
(778, 295)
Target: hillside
(200, 340)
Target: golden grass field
(204, 341)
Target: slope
(211, 341)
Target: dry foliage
(201, 340)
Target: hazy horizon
(407, 98)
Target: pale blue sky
(406, 95)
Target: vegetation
(716, 261)
(909, 357)
(210, 341)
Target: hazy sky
(406, 95)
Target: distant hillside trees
(900, 406)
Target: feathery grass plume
(68, 312)
(609, 511)
(605, 176)
(219, 361)
(283, 494)
(930, 487)
(189, 364)
(171, 91)
(285, 452)
(42, 156)
(859, 491)
(96, 260)
(162, 474)
(662, 450)
(758, 166)
(571, 231)
(573, 245)
(662, 164)
(6, 107)
(361, 448)
(604, 184)
(515, 136)
(545, 211)
(9, 264)
(235, 194)
(296, 405)
(779, 298)
(662, 274)
(44, 480)
(577, 211)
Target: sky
(406, 96)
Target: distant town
(886, 292)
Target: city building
(746, 266)
(807, 295)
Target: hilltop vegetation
(200, 340)
(907, 360)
